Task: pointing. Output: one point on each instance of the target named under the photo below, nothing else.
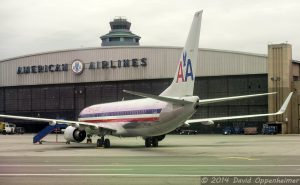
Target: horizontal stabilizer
(281, 111)
(160, 98)
(216, 100)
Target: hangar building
(60, 84)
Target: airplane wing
(76, 124)
(179, 101)
(216, 100)
(208, 121)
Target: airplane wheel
(99, 143)
(106, 143)
(148, 142)
(155, 142)
(89, 140)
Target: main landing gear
(103, 142)
(88, 140)
(151, 141)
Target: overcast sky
(31, 26)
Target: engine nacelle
(52, 123)
(74, 134)
(207, 122)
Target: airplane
(151, 117)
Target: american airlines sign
(77, 66)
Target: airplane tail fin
(183, 82)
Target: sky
(33, 26)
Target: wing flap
(216, 100)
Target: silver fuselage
(141, 117)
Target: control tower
(120, 34)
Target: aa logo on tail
(185, 69)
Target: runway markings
(100, 169)
(140, 175)
(243, 158)
(150, 165)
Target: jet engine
(74, 134)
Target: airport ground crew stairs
(46, 131)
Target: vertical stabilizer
(183, 82)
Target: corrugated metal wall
(161, 63)
(67, 100)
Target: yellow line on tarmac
(121, 169)
(242, 158)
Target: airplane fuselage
(141, 117)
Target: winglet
(285, 104)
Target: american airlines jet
(153, 116)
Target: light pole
(276, 79)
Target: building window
(114, 39)
(119, 27)
(295, 78)
(128, 39)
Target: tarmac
(179, 159)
